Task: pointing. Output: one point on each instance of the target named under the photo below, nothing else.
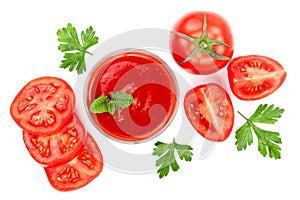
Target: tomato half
(54, 149)
(209, 109)
(85, 167)
(43, 105)
(254, 77)
(201, 42)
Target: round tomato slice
(209, 109)
(54, 149)
(85, 167)
(201, 42)
(43, 105)
(254, 77)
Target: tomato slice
(85, 167)
(54, 149)
(43, 105)
(209, 109)
(254, 77)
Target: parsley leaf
(244, 137)
(266, 115)
(167, 159)
(88, 38)
(110, 104)
(75, 51)
(99, 105)
(268, 141)
(74, 61)
(121, 100)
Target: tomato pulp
(43, 105)
(254, 77)
(152, 86)
(210, 111)
(81, 170)
(60, 147)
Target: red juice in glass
(150, 82)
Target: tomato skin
(43, 105)
(75, 174)
(191, 25)
(54, 149)
(254, 77)
(209, 109)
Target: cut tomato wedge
(209, 109)
(81, 170)
(255, 77)
(54, 149)
(43, 105)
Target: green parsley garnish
(75, 50)
(110, 104)
(267, 140)
(167, 159)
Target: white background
(28, 49)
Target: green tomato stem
(203, 44)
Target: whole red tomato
(201, 42)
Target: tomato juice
(150, 82)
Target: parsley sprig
(167, 159)
(111, 103)
(268, 141)
(73, 48)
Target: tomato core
(203, 45)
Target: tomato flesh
(255, 77)
(81, 170)
(209, 109)
(54, 149)
(43, 105)
(191, 25)
(151, 85)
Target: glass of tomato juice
(151, 83)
